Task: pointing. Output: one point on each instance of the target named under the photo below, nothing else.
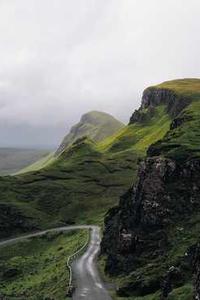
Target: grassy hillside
(38, 165)
(82, 183)
(37, 268)
(13, 159)
(151, 236)
(94, 125)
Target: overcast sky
(62, 58)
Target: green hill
(151, 239)
(81, 183)
(151, 235)
(95, 125)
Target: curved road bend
(88, 283)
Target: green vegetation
(94, 125)
(13, 159)
(182, 144)
(37, 268)
(38, 165)
(184, 140)
(82, 183)
(139, 136)
(189, 87)
(87, 178)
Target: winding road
(88, 283)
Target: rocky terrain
(151, 239)
(150, 236)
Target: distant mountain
(13, 159)
(94, 125)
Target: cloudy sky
(62, 58)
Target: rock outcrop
(142, 231)
(153, 97)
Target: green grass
(81, 184)
(189, 87)
(184, 141)
(183, 293)
(139, 136)
(37, 268)
(38, 165)
(94, 125)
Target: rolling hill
(81, 184)
(95, 125)
(151, 238)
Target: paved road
(89, 286)
(40, 233)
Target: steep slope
(14, 159)
(151, 236)
(94, 125)
(79, 185)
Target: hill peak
(95, 125)
(175, 95)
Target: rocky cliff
(147, 236)
(153, 97)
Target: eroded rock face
(137, 230)
(196, 266)
(153, 97)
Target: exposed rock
(171, 279)
(196, 269)
(153, 97)
(137, 230)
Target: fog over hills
(77, 56)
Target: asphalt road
(88, 283)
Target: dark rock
(9, 273)
(136, 231)
(172, 279)
(196, 270)
(153, 97)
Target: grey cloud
(62, 58)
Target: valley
(142, 181)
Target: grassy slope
(180, 143)
(36, 268)
(84, 182)
(183, 141)
(95, 125)
(12, 160)
(38, 165)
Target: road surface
(88, 284)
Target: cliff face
(164, 194)
(147, 236)
(153, 97)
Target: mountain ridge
(95, 125)
(157, 221)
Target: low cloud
(62, 58)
